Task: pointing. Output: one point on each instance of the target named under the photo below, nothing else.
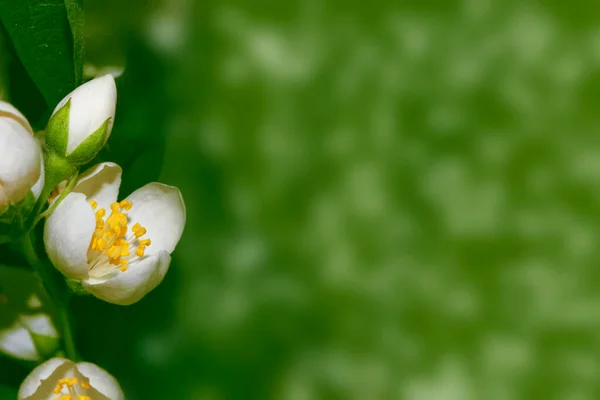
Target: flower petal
(68, 233)
(32, 383)
(36, 189)
(39, 324)
(100, 183)
(130, 286)
(101, 380)
(160, 209)
(19, 160)
(16, 341)
(67, 370)
(7, 110)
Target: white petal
(101, 380)
(33, 382)
(36, 189)
(69, 370)
(100, 183)
(8, 110)
(160, 209)
(16, 341)
(68, 233)
(130, 286)
(40, 324)
(91, 105)
(19, 161)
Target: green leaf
(8, 392)
(42, 38)
(76, 18)
(21, 90)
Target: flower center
(111, 245)
(73, 388)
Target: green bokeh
(385, 200)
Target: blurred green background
(386, 200)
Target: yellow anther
(85, 384)
(138, 230)
(112, 252)
(85, 398)
(110, 241)
(58, 388)
(125, 205)
(65, 397)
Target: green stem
(47, 276)
(57, 170)
(60, 198)
(68, 339)
(57, 290)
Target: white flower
(20, 156)
(17, 340)
(61, 379)
(81, 129)
(119, 251)
(26, 328)
(37, 187)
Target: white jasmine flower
(119, 251)
(20, 155)
(82, 122)
(62, 379)
(26, 328)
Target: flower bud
(26, 328)
(19, 156)
(83, 120)
(59, 378)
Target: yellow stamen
(125, 205)
(138, 230)
(70, 384)
(109, 237)
(58, 388)
(124, 265)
